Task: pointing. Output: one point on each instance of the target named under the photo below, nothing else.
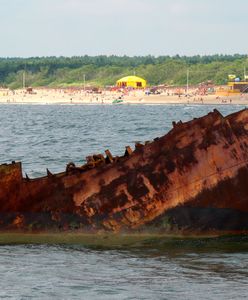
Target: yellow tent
(131, 81)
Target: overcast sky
(122, 27)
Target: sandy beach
(44, 96)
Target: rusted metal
(49, 174)
(194, 178)
(128, 151)
(109, 157)
(138, 146)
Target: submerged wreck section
(195, 179)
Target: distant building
(239, 86)
(234, 86)
(131, 81)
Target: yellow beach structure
(235, 86)
(131, 81)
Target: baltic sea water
(47, 136)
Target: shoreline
(68, 97)
(126, 104)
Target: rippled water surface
(42, 272)
(51, 136)
(47, 136)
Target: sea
(50, 136)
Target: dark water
(51, 136)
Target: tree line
(104, 70)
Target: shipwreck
(193, 179)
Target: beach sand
(68, 96)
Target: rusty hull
(193, 178)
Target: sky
(31, 28)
